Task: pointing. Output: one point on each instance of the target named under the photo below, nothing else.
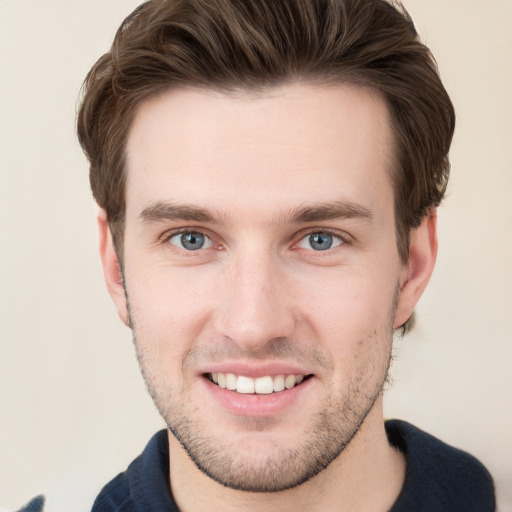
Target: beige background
(73, 408)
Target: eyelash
(342, 236)
(167, 236)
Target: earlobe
(416, 273)
(111, 268)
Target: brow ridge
(329, 211)
(162, 211)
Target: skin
(258, 174)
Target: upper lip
(254, 370)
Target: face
(262, 274)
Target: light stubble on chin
(282, 469)
(328, 432)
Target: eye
(190, 241)
(320, 241)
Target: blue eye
(320, 241)
(190, 241)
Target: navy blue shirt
(438, 478)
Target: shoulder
(34, 505)
(439, 476)
(115, 496)
(142, 485)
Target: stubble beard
(328, 434)
(281, 469)
(331, 432)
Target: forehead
(297, 143)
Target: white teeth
(261, 385)
(290, 381)
(245, 385)
(231, 381)
(264, 385)
(279, 383)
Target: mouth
(264, 385)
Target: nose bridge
(255, 307)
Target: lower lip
(256, 405)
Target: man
(268, 174)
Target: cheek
(351, 318)
(348, 305)
(168, 309)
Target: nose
(256, 303)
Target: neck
(367, 476)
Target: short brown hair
(258, 44)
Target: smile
(259, 386)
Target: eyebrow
(329, 211)
(161, 211)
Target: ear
(420, 264)
(111, 268)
